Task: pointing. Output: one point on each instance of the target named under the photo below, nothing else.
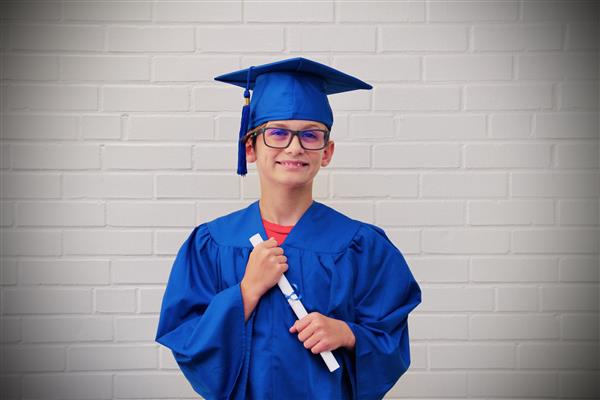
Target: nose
(295, 147)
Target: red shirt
(279, 232)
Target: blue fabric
(343, 268)
(294, 88)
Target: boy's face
(280, 166)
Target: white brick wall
(477, 152)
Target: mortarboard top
(295, 88)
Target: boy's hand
(265, 266)
(320, 333)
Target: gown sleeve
(203, 326)
(385, 293)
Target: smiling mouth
(293, 164)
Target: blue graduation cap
(295, 88)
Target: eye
(312, 135)
(277, 133)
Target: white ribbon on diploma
(298, 307)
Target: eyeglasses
(281, 138)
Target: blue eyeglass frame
(293, 133)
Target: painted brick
(63, 272)
(101, 127)
(517, 37)
(513, 384)
(576, 155)
(204, 11)
(579, 269)
(52, 156)
(472, 356)
(171, 128)
(578, 212)
(508, 97)
(558, 356)
(380, 68)
(515, 326)
(571, 297)
(579, 326)
(68, 386)
(135, 329)
(33, 359)
(559, 10)
(459, 241)
(463, 11)
(416, 155)
(417, 98)
(554, 184)
(105, 68)
(240, 38)
(510, 126)
(511, 212)
(197, 186)
(108, 185)
(555, 241)
(514, 269)
(557, 66)
(439, 269)
(517, 299)
(466, 184)
(30, 67)
(576, 125)
(151, 214)
(150, 271)
(441, 127)
(420, 213)
(150, 39)
(108, 11)
(576, 95)
(376, 185)
(467, 68)
(101, 358)
(31, 10)
(423, 38)
(145, 98)
(505, 156)
(39, 127)
(107, 242)
(191, 68)
(30, 243)
(67, 329)
(381, 11)
(147, 157)
(115, 300)
(57, 37)
(268, 11)
(47, 301)
(29, 185)
(52, 97)
(336, 38)
(457, 299)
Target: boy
(229, 327)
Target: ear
(328, 153)
(250, 152)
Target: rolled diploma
(298, 307)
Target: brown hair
(247, 136)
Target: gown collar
(320, 228)
(293, 237)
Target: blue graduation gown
(342, 268)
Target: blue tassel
(241, 167)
